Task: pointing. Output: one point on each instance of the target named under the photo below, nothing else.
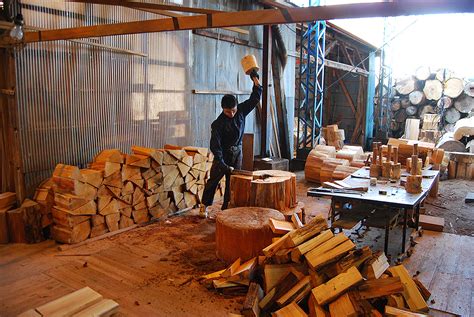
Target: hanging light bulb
(17, 31)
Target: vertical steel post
(267, 46)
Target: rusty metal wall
(75, 99)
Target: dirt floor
(459, 216)
(153, 270)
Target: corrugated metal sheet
(75, 99)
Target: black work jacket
(228, 132)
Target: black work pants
(231, 158)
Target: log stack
(438, 93)
(311, 271)
(119, 190)
(325, 164)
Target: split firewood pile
(311, 271)
(438, 100)
(326, 164)
(120, 190)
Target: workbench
(380, 206)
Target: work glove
(254, 74)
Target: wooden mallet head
(249, 64)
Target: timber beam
(257, 17)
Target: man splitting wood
(226, 142)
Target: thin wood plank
(71, 303)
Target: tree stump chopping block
(267, 188)
(243, 232)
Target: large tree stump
(244, 232)
(268, 189)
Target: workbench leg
(405, 216)
(333, 211)
(387, 232)
(417, 216)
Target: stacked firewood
(312, 271)
(438, 93)
(325, 164)
(120, 190)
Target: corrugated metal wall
(75, 99)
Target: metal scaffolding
(309, 106)
(385, 85)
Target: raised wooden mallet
(249, 64)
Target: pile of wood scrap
(81, 303)
(19, 224)
(439, 93)
(120, 190)
(334, 136)
(325, 163)
(311, 271)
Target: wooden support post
(267, 46)
(12, 177)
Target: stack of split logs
(326, 164)
(20, 223)
(311, 271)
(120, 190)
(440, 94)
(334, 136)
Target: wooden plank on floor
(460, 295)
(465, 265)
(35, 291)
(71, 303)
(449, 263)
(439, 289)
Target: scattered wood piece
(432, 223)
(280, 226)
(398, 312)
(291, 310)
(411, 293)
(250, 306)
(376, 266)
(334, 287)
